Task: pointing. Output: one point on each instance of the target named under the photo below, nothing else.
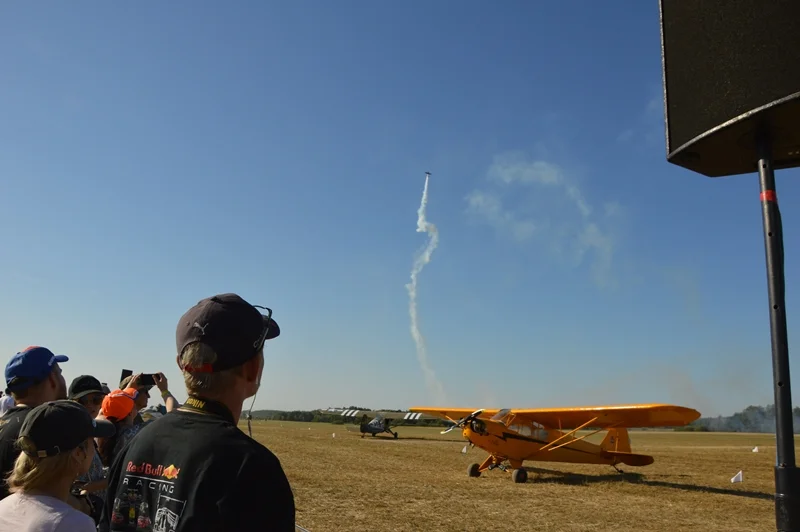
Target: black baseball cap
(83, 386)
(60, 426)
(231, 326)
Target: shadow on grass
(561, 477)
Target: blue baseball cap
(30, 366)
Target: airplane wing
(353, 413)
(451, 414)
(639, 415)
(644, 415)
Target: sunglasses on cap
(258, 344)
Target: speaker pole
(787, 476)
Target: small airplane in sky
(550, 434)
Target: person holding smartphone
(143, 383)
(119, 407)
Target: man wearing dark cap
(87, 391)
(33, 377)
(194, 469)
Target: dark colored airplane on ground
(377, 425)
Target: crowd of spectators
(34, 378)
(87, 458)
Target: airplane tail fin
(616, 440)
(617, 443)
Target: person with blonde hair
(194, 468)
(56, 447)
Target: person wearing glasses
(33, 376)
(89, 393)
(56, 443)
(194, 469)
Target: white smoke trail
(423, 226)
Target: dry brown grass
(419, 482)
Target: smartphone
(145, 380)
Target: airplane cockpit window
(501, 416)
(525, 430)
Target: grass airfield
(419, 482)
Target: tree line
(751, 419)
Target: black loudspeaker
(731, 75)
(731, 72)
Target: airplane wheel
(520, 476)
(395, 435)
(472, 470)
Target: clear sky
(154, 155)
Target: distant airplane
(550, 434)
(381, 421)
(377, 425)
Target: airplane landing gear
(474, 470)
(520, 476)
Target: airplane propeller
(463, 421)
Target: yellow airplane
(550, 434)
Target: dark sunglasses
(258, 344)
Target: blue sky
(152, 156)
